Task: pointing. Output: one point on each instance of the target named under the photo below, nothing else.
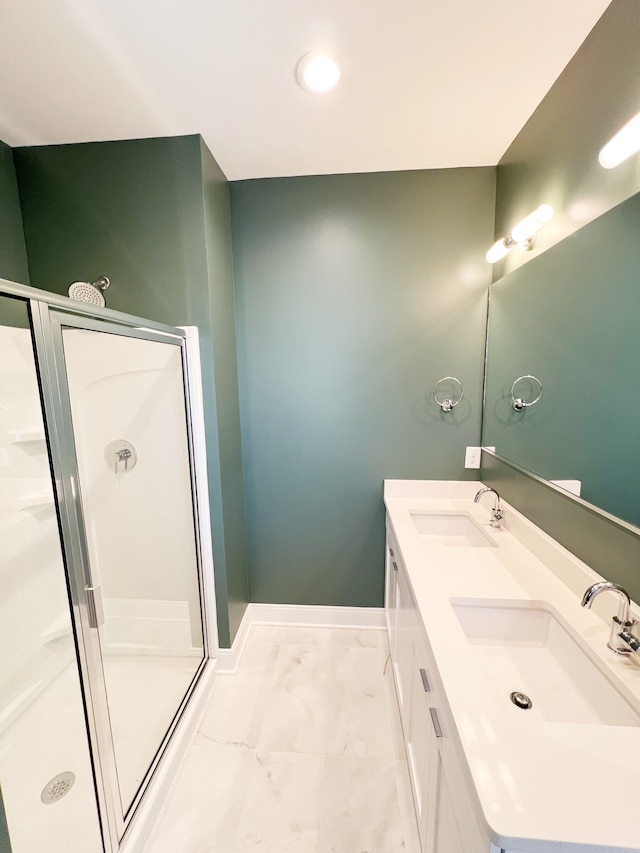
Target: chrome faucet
(622, 641)
(496, 513)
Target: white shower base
(49, 738)
(158, 685)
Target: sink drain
(57, 787)
(520, 700)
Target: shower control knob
(120, 456)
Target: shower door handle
(95, 606)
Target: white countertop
(541, 785)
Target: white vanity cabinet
(421, 741)
(446, 821)
(477, 615)
(398, 620)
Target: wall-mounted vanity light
(535, 386)
(522, 235)
(447, 403)
(623, 145)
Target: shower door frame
(49, 313)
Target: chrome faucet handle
(630, 640)
(621, 637)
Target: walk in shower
(102, 620)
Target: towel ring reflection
(447, 404)
(519, 404)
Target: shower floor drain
(57, 787)
(521, 700)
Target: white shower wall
(35, 622)
(140, 521)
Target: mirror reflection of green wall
(571, 317)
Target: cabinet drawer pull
(425, 680)
(395, 565)
(436, 722)
(391, 552)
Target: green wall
(222, 314)
(554, 159)
(153, 215)
(355, 293)
(13, 253)
(131, 210)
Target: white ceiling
(424, 84)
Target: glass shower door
(129, 418)
(46, 778)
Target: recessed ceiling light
(317, 72)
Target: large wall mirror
(571, 318)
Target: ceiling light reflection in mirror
(623, 145)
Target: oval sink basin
(527, 647)
(452, 529)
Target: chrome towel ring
(447, 404)
(519, 404)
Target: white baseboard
(317, 615)
(303, 615)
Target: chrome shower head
(90, 291)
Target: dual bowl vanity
(522, 727)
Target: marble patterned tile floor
(300, 751)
